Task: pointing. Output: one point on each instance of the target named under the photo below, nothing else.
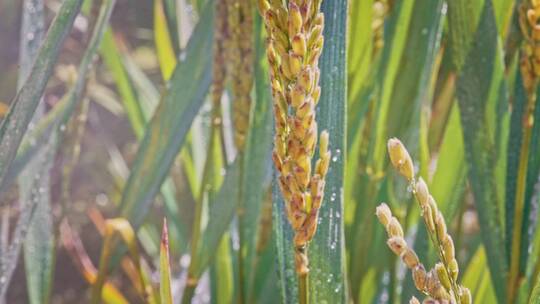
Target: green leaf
(448, 184)
(476, 278)
(365, 185)
(403, 88)
(11, 254)
(39, 249)
(480, 88)
(164, 47)
(326, 251)
(535, 295)
(11, 134)
(167, 130)
(27, 99)
(140, 100)
(532, 169)
(222, 207)
(165, 267)
(257, 164)
(222, 272)
(111, 56)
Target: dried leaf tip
(400, 158)
(165, 234)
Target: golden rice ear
(294, 45)
(441, 282)
(239, 48)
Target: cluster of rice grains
(440, 283)
(294, 46)
(240, 57)
(530, 61)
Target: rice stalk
(294, 46)
(239, 50)
(530, 71)
(219, 76)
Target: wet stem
(514, 279)
(192, 278)
(303, 288)
(241, 237)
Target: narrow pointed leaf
(27, 99)
(165, 268)
(167, 130)
(480, 90)
(39, 241)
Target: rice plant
(269, 151)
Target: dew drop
(333, 196)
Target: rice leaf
(140, 108)
(39, 242)
(476, 278)
(222, 207)
(113, 228)
(480, 89)
(167, 130)
(256, 167)
(27, 99)
(164, 48)
(111, 56)
(165, 267)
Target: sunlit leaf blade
(476, 277)
(165, 268)
(480, 72)
(111, 56)
(535, 294)
(222, 273)
(27, 99)
(140, 102)
(164, 48)
(168, 128)
(448, 184)
(363, 185)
